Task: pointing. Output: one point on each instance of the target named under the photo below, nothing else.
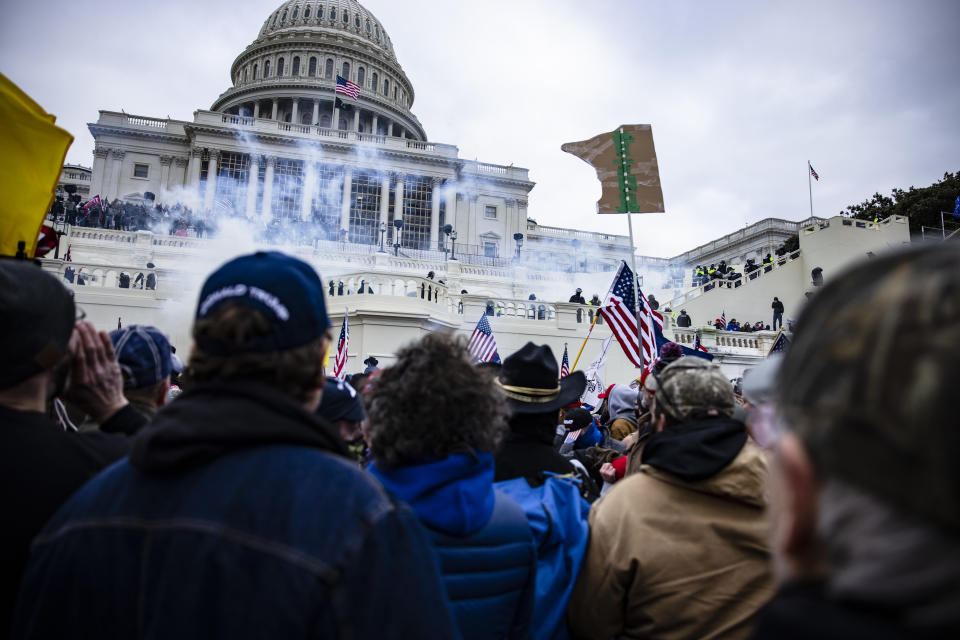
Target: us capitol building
(388, 206)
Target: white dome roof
(346, 17)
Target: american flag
(482, 345)
(723, 319)
(696, 344)
(340, 363)
(812, 172)
(619, 309)
(348, 88)
(565, 363)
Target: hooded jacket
(679, 550)
(486, 550)
(623, 418)
(236, 516)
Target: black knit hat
(36, 320)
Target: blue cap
(286, 290)
(144, 355)
(340, 401)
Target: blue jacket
(235, 517)
(557, 516)
(481, 537)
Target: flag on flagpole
(348, 88)
(723, 319)
(343, 344)
(620, 311)
(482, 345)
(565, 363)
(33, 152)
(815, 175)
(95, 200)
(591, 393)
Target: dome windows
(266, 69)
(306, 13)
(296, 66)
(386, 87)
(312, 69)
(320, 12)
(361, 75)
(276, 17)
(346, 70)
(296, 12)
(346, 17)
(368, 26)
(333, 13)
(373, 84)
(328, 70)
(356, 21)
(279, 67)
(283, 18)
(254, 72)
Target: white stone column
(196, 156)
(178, 177)
(99, 170)
(356, 119)
(267, 209)
(398, 207)
(435, 213)
(295, 113)
(117, 156)
(316, 113)
(274, 112)
(451, 207)
(345, 201)
(309, 187)
(252, 185)
(165, 162)
(336, 115)
(376, 124)
(211, 180)
(384, 199)
(256, 109)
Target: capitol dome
(289, 72)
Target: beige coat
(621, 428)
(675, 559)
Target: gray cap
(869, 383)
(692, 387)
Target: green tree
(922, 206)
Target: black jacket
(41, 465)
(683, 320)
(777, 306)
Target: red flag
(46, 241)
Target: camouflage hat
(869, 381)
(692, 388)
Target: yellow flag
(33, 152)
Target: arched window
(346, 16)
(368, 26)
(328, 72)
(373, 84)
(254, 72)
(360, 75)
(312, 70)
(333, 13)
(296, 65)
(325, 121)
(266, 69)
(284, 16)
(386, 87)
(280, 67)
(394, 92)
(245, 71)
(378, 31)
(306, 13)
(320, 12)
(296, 12)
(356, 21)
(346, 70)
(276, 17)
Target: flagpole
(579, 353)
(810, 188)
(636, 285)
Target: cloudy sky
(740, 94)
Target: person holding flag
(482, 345)
(565, 363)
(343, 344)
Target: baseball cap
(286, 290)
(144, 355)
(692, 387)
(869, 383)
(340, 401)
(36, 320)
(577, 419)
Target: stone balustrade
(380, 284)
(88, 274)
(744, 280)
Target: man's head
(691, 389)
(776, 299)
(262, 318)
(146, 361)
(433, 402)
(579, 290)
(867, 396)
(341, 405)
(37, 315)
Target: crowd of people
(245, 493)
(119, 215)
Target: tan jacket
(675, 559)
(621, 428)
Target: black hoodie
(696, 450)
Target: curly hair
(297, 372)
(434, 402)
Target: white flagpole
(810, 188)
(636, 285)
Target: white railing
(143, 121)
(99, 276)
(393, 285)
(744, 280)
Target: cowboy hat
(529, 378)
